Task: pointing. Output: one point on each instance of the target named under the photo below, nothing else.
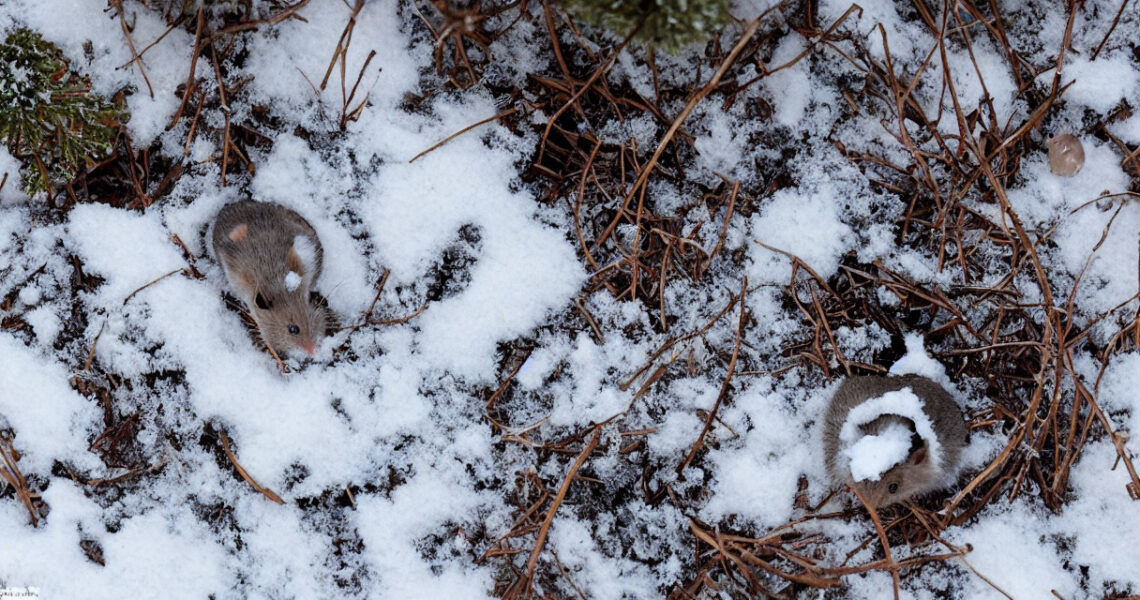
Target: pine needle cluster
(49, 119)
(666, 24)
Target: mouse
(1066, 154)
(272, 256)
(868, 413)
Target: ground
(591, 298)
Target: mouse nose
(309, 347)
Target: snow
(1101, 518)
(98, 232)
(396, 472)
(292, 281)
(874, 454)
(45, 323)
(803, 223)
(758, 475)
(145, 556)
(1102, 83)
(50, 420)
(903, 403)
(1011, 535)
(916, 361)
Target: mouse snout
(308, 346)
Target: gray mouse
(921, 471)
(272, 256)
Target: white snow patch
(150, 555)
(1098, 84)
(1102, 499)
(803, 223)
(292, 280)
(51, 421)
(904, 403)
(45, 323)
(127, 249)
(916, 361)
(392, 527)
(1005, 535)
(874, 454)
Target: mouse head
(289, 323)
(913, 476)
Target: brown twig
(509, 111)
(727, 378)
(10, 472)
(523, 585)
(268, 493)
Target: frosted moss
(668, 24)
(49, 118)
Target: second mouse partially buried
(893, 438)
(272, 256)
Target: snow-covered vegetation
(592, 300)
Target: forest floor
(592, 300)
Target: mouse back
(261, 239)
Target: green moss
(188, 9)
(49, 119)
(669, 24)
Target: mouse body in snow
(271, 256)
(893, 438)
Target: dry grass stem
(268, 493)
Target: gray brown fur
(259, 262)
(1066, 154)
(918, 474)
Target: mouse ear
(919, 456)
(302, 255)
(239, 233)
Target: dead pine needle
(727, 378)
(522, 586)
(11, 474)
(892, 566)
(268, 493)
(509, 111)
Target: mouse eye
(261, 302)
(294, 330)
(893, 488)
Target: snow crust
(874, 454)
(904, 403)
(292, 281)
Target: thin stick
(136, 58)
(11, 473)
(1115, 22)
(287, 12)
(509, 111)
(193, 64)
(639, 184)
(892, 566)
(724, 386)
(545, 528)
(241, 470)
(148, 284)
